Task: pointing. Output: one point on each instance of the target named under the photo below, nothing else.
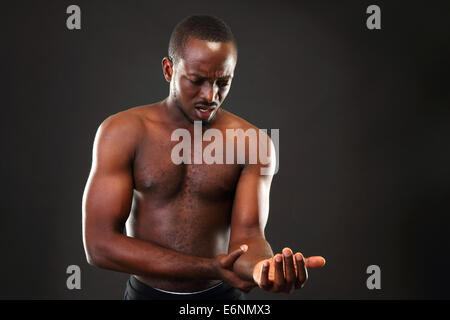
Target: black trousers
(137, 290)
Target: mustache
(205, 103)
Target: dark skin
(190, 226)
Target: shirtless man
(193, 230)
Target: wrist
(213, 269)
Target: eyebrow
(203, 77)
(196, 75)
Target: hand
(223, 265)
(285, 272)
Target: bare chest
(155, 173)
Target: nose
(209, 92)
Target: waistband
(219, 291)
(195, 292)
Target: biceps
(107, 201)
(250, 208)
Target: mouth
(204, 112)
(203, 109)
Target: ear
(167, 66)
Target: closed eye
(196, 82)
(223, 84)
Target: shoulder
(128, 122)
(121, 129)
(262, 147)
(232, 121)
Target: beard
(182, 110)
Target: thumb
(315, 262)
(232, 256)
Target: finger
(279, 274)
(289, 269)
(229, 259)
(246, 287)
(315, 262)
(264, 282)
(302, 271)
(236, 282)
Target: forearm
(258, 249)
(125, 254)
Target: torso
(185, 207)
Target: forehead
(207, 57)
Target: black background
(364, 119)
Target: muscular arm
(279, 273)
(249, 216)
(106, 206)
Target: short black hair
(203, 27)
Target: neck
(174, 112)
